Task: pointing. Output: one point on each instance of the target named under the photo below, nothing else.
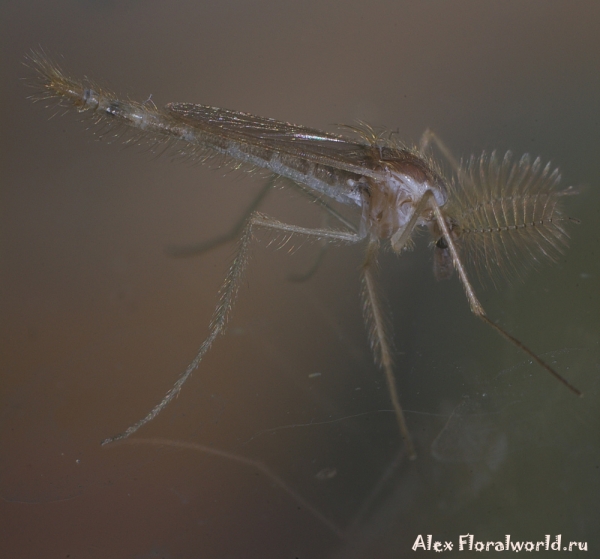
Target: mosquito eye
(441, 243)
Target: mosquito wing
(303, 154)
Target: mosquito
(494, 211)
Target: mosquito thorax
(392, 200)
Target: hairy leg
(227, 298)
(375, 319)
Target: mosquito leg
(305, 276)
(375, 319)
(302, 277)
(227, 297)
(430, 137)
(205, 246)
(251, 463)
(319, 200)
(379, 486)
(400, 237)
(262, 220)
(475, 305)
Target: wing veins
(280, 137)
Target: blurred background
(98, 320)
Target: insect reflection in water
(500, 214)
